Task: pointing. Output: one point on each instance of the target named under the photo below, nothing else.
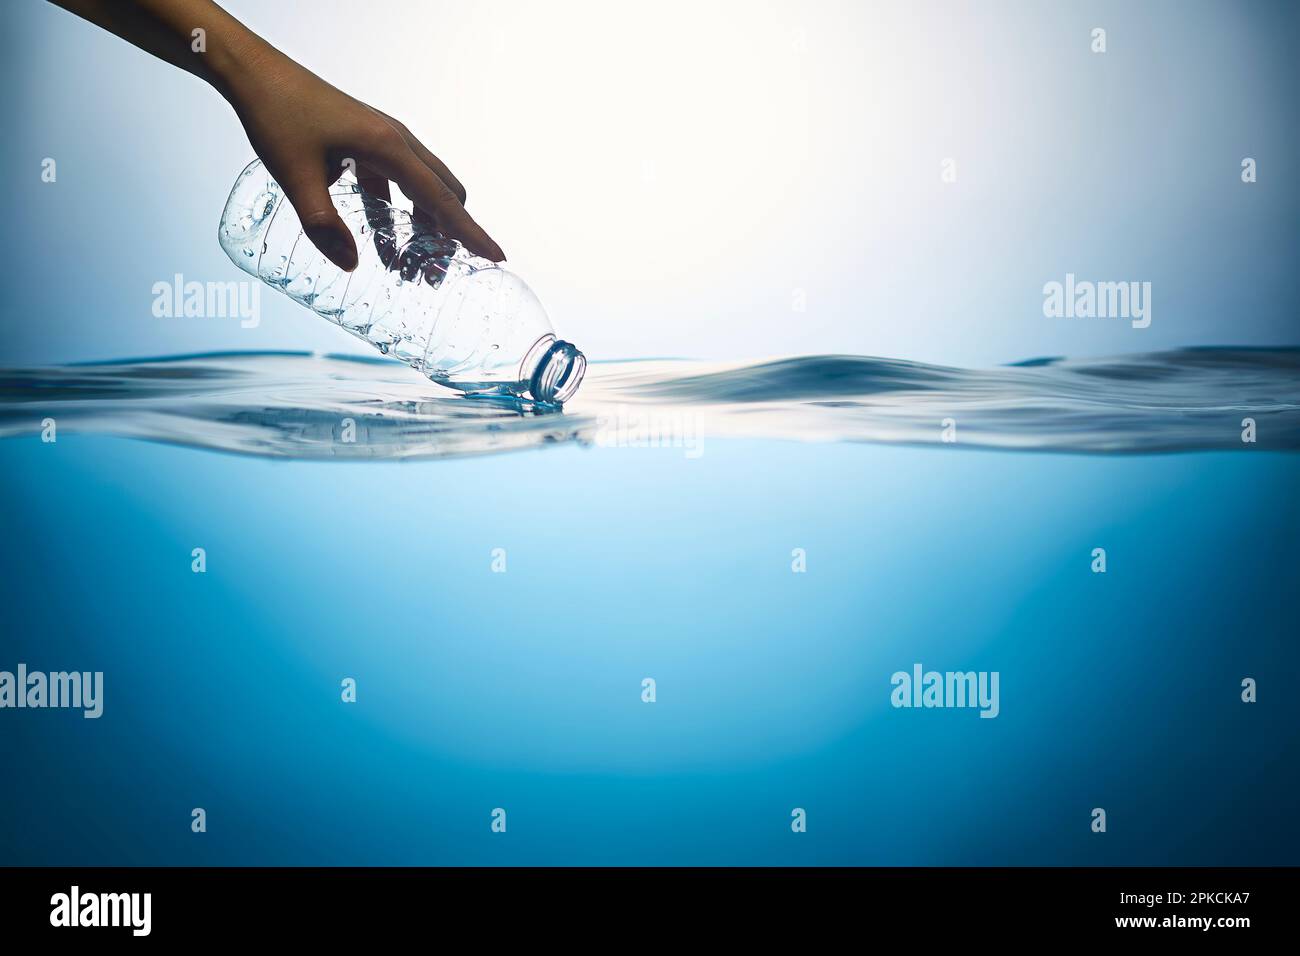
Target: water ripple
(300, 405)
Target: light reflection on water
(300, 405)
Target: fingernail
(336, 249)
(344, 256)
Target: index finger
(419, 182)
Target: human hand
(305, 131)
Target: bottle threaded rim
(558, 374)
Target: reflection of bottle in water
(461, 320)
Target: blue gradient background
(666, 175)
(727, 155)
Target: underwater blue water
(522, 690)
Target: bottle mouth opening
(558, 373)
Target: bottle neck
(553, 370)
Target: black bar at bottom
(334, 904)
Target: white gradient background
(667, 175)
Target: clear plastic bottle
(458, 318)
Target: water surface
(301, 405)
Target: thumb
(322, 223)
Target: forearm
(303, 129)
(224, 54)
